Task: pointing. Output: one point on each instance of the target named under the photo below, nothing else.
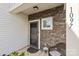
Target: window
(47, 23)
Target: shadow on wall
(72, 42)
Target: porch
(37, 36)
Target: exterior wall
(13, 30)
(73, 33)
(58, 34)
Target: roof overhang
(21, 7)
(27, 8)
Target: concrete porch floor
(39, 53)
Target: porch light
(35, 7)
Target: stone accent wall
(58, 34)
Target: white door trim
(38, 30)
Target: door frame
(37, 20)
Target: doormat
(32, 50)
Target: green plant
(19, 53)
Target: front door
(34, 34)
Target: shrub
(19, 53)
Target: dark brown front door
(34, 34)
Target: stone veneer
(58, 33)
